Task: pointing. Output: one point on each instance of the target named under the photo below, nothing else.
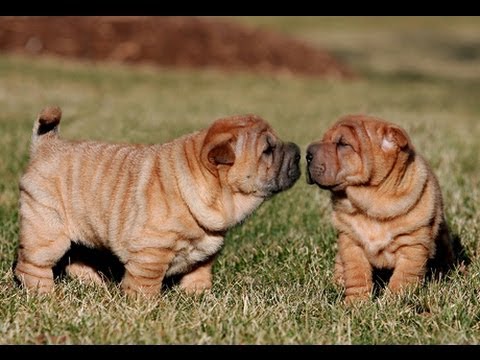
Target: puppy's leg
(198, 280)
(357, 271)
(338, 271)
(41, 246)
(145, 270)
(410, 267)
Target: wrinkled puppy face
(249, 158)
(356, 150)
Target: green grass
(273, 279)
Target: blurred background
(343, 47)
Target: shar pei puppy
(387, 204)
(161, 209)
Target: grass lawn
(273, 279)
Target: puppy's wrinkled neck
(399, 191)
(341, 202)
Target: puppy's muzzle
(289, 169)
(291, 164)
(311, 151)
(322, 166)
(294, 163)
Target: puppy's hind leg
(41, 246)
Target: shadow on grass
(110, 268)
(107, 264)
(104, 262)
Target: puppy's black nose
(311, 151)
(309, 157)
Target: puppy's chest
(190, 252)
(373, 236)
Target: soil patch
(168, 41)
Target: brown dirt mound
(168, 41)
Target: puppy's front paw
(195, 286)
(355, 298)
(147, 292)
(400, 287)
(356, 294)
(198, 280)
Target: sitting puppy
(162, 209)
(387, 204)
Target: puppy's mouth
(336, 187)
(310, 181)
(331, 187)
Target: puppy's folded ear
(222, 154)
(217, 150)
(395, 137)
(217, 147)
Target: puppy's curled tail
(46, 126)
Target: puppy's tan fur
(387, 204)
(162, 209)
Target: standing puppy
(387, 204)
(162, 209)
